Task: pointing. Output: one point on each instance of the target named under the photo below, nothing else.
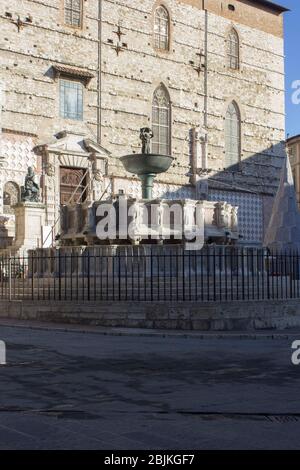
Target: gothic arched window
(11, 197)
(232, 135)
(162, 29)
(233, 50)
(161, 121)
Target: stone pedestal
(30, 218)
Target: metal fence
(151, 274)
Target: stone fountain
(148, 218)
(146, 165)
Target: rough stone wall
(258, 89)
(207, 316)
(27, 57)
(129, 79)
(30, 91)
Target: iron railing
(151, 273)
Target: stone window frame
(61, 72)
(170, 117)
(233, 29)
(237, 165)
(157, 5)
(82, 19)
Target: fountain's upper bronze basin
(150, 163)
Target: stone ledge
(231, 316)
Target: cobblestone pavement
(74, 390)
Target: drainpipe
(204, 143)
(206, 67)
(99, 110)
(199, 136)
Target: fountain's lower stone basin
(149, 220)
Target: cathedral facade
(79, 78)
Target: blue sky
(292, 65)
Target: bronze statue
(146, 135)
(31, 190)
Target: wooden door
(72, 185)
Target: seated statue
(31, 190)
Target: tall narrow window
(232, 136)
(162, 29)
(233, 50)
(71, 100)
(161, 121)
(73, 13)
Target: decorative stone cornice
(71, 144)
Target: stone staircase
(162, 288)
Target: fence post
(268, 274)
(9, 278)
(59, 275)
(88, 273)
(32, 276)
(243, 273)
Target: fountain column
(147, 185)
